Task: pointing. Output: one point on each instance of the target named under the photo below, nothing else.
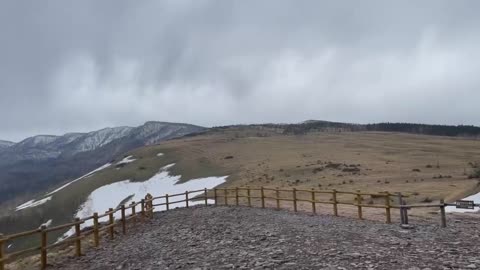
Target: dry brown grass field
(423, 167)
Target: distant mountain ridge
(425, 129)
(5, 144)
(39, 162)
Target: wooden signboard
(465, 204)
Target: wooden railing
(249, 196)
(128, 213)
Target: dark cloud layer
(82, 65)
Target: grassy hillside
(425, 167)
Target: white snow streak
(126, 160)
(80, 178)
(33, 203)
(46, 224)
(159, 154)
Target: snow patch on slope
(126, 160)
(475, 198)
(46, 224)
(160, 184)
(33, 203)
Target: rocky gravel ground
(253, 238)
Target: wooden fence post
(134, 213)
(335, 202)
(263, 196)
(124, 221)
(78, 242)
(248, 197)
(277, 197)
(149, 205)
(236, 196)
(110, 223)
(167, 203)
(314, 205)
(2, 246)
(142, 210)
(294, 199)
(225, 196)
(359, 204)
(43, 250)
(443, 217)
(96, 238)
(400, 203)
(215, 196)
(387, 207)
(206, 197)
(186, 199)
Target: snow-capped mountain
(43, 147)
(5, 144)
(44, 160)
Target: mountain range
(40, 162)
(5, 144)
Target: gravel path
(253, 238)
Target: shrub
(475, 173)
(427, 200)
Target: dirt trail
(253, 238)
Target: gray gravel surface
(253, 238)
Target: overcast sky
(84, 65)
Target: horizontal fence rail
(240, 195)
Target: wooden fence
(249, 196)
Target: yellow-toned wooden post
(43, 250)
(294, 199)
(225, 196)
(206, 196)
(248, 197)
(96, 237)
(335, 202)
(236, 196)
(186, 199)
(388, 208)
(314, 205)
(263, 196)
(124, 220)
(359, 204)
(110, 223)
(149, 205)
(167, 203)
(78, 241)
(2, 252)
(277, 195)
(215, 196)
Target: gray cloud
(83, 65)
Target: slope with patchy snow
(127, 191)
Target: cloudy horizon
(85, 65)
